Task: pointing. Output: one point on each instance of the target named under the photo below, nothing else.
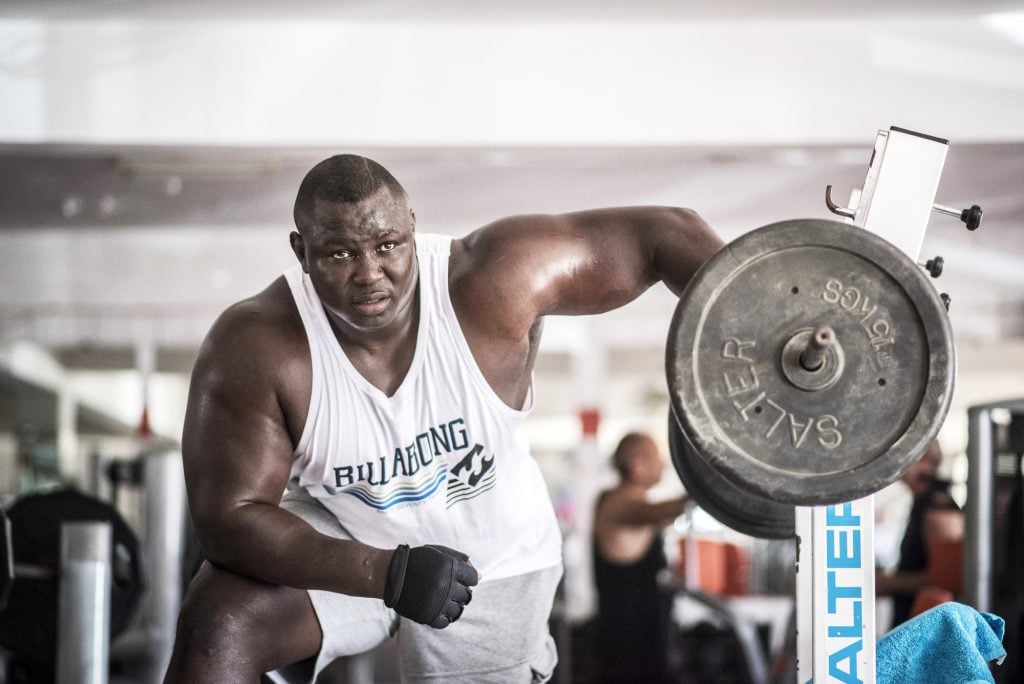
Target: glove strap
(396, 575)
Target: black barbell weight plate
(28, 624)
(771, 427)
(725, 502)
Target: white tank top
(440, 461)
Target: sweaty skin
(251, 388)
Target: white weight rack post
(835, 586)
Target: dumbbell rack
(835, 586)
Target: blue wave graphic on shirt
(415, 491)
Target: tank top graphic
(439, 461)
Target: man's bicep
(609, 260)
(594, 261)
(568, 264)
(235, 446)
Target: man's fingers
(440, 622)
(451, 613)
(421, 578)
(461, 594)
(466, 574)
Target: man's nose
(368, 270)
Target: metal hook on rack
(835, 208)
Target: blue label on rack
(845, 595)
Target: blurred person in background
(634, 612)
(934, 518)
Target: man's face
(361, 259)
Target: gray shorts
(502, 637)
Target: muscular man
(633, 611)
(934, 517)
(380, 381)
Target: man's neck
(382, 356)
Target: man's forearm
(269, 543)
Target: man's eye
(341, 254)
(388, 246)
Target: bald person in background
(634, 612)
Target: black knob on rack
(971, 217)
(934, 266)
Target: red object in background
(946, 565)
(737, 571)
(590, 418)
(945, 575)
(723, 568)
(929, 597)
(144, 431)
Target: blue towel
(949, 644)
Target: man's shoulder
(267, 322)
(272, 306)
(254, 362)
(510, 252)
(491, 242)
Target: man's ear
(299, 248)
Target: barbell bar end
(813, 356)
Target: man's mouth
(371, 304)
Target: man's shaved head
(341, 179)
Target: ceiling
(457, 189)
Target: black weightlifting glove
(429, 584)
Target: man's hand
(429, 584)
